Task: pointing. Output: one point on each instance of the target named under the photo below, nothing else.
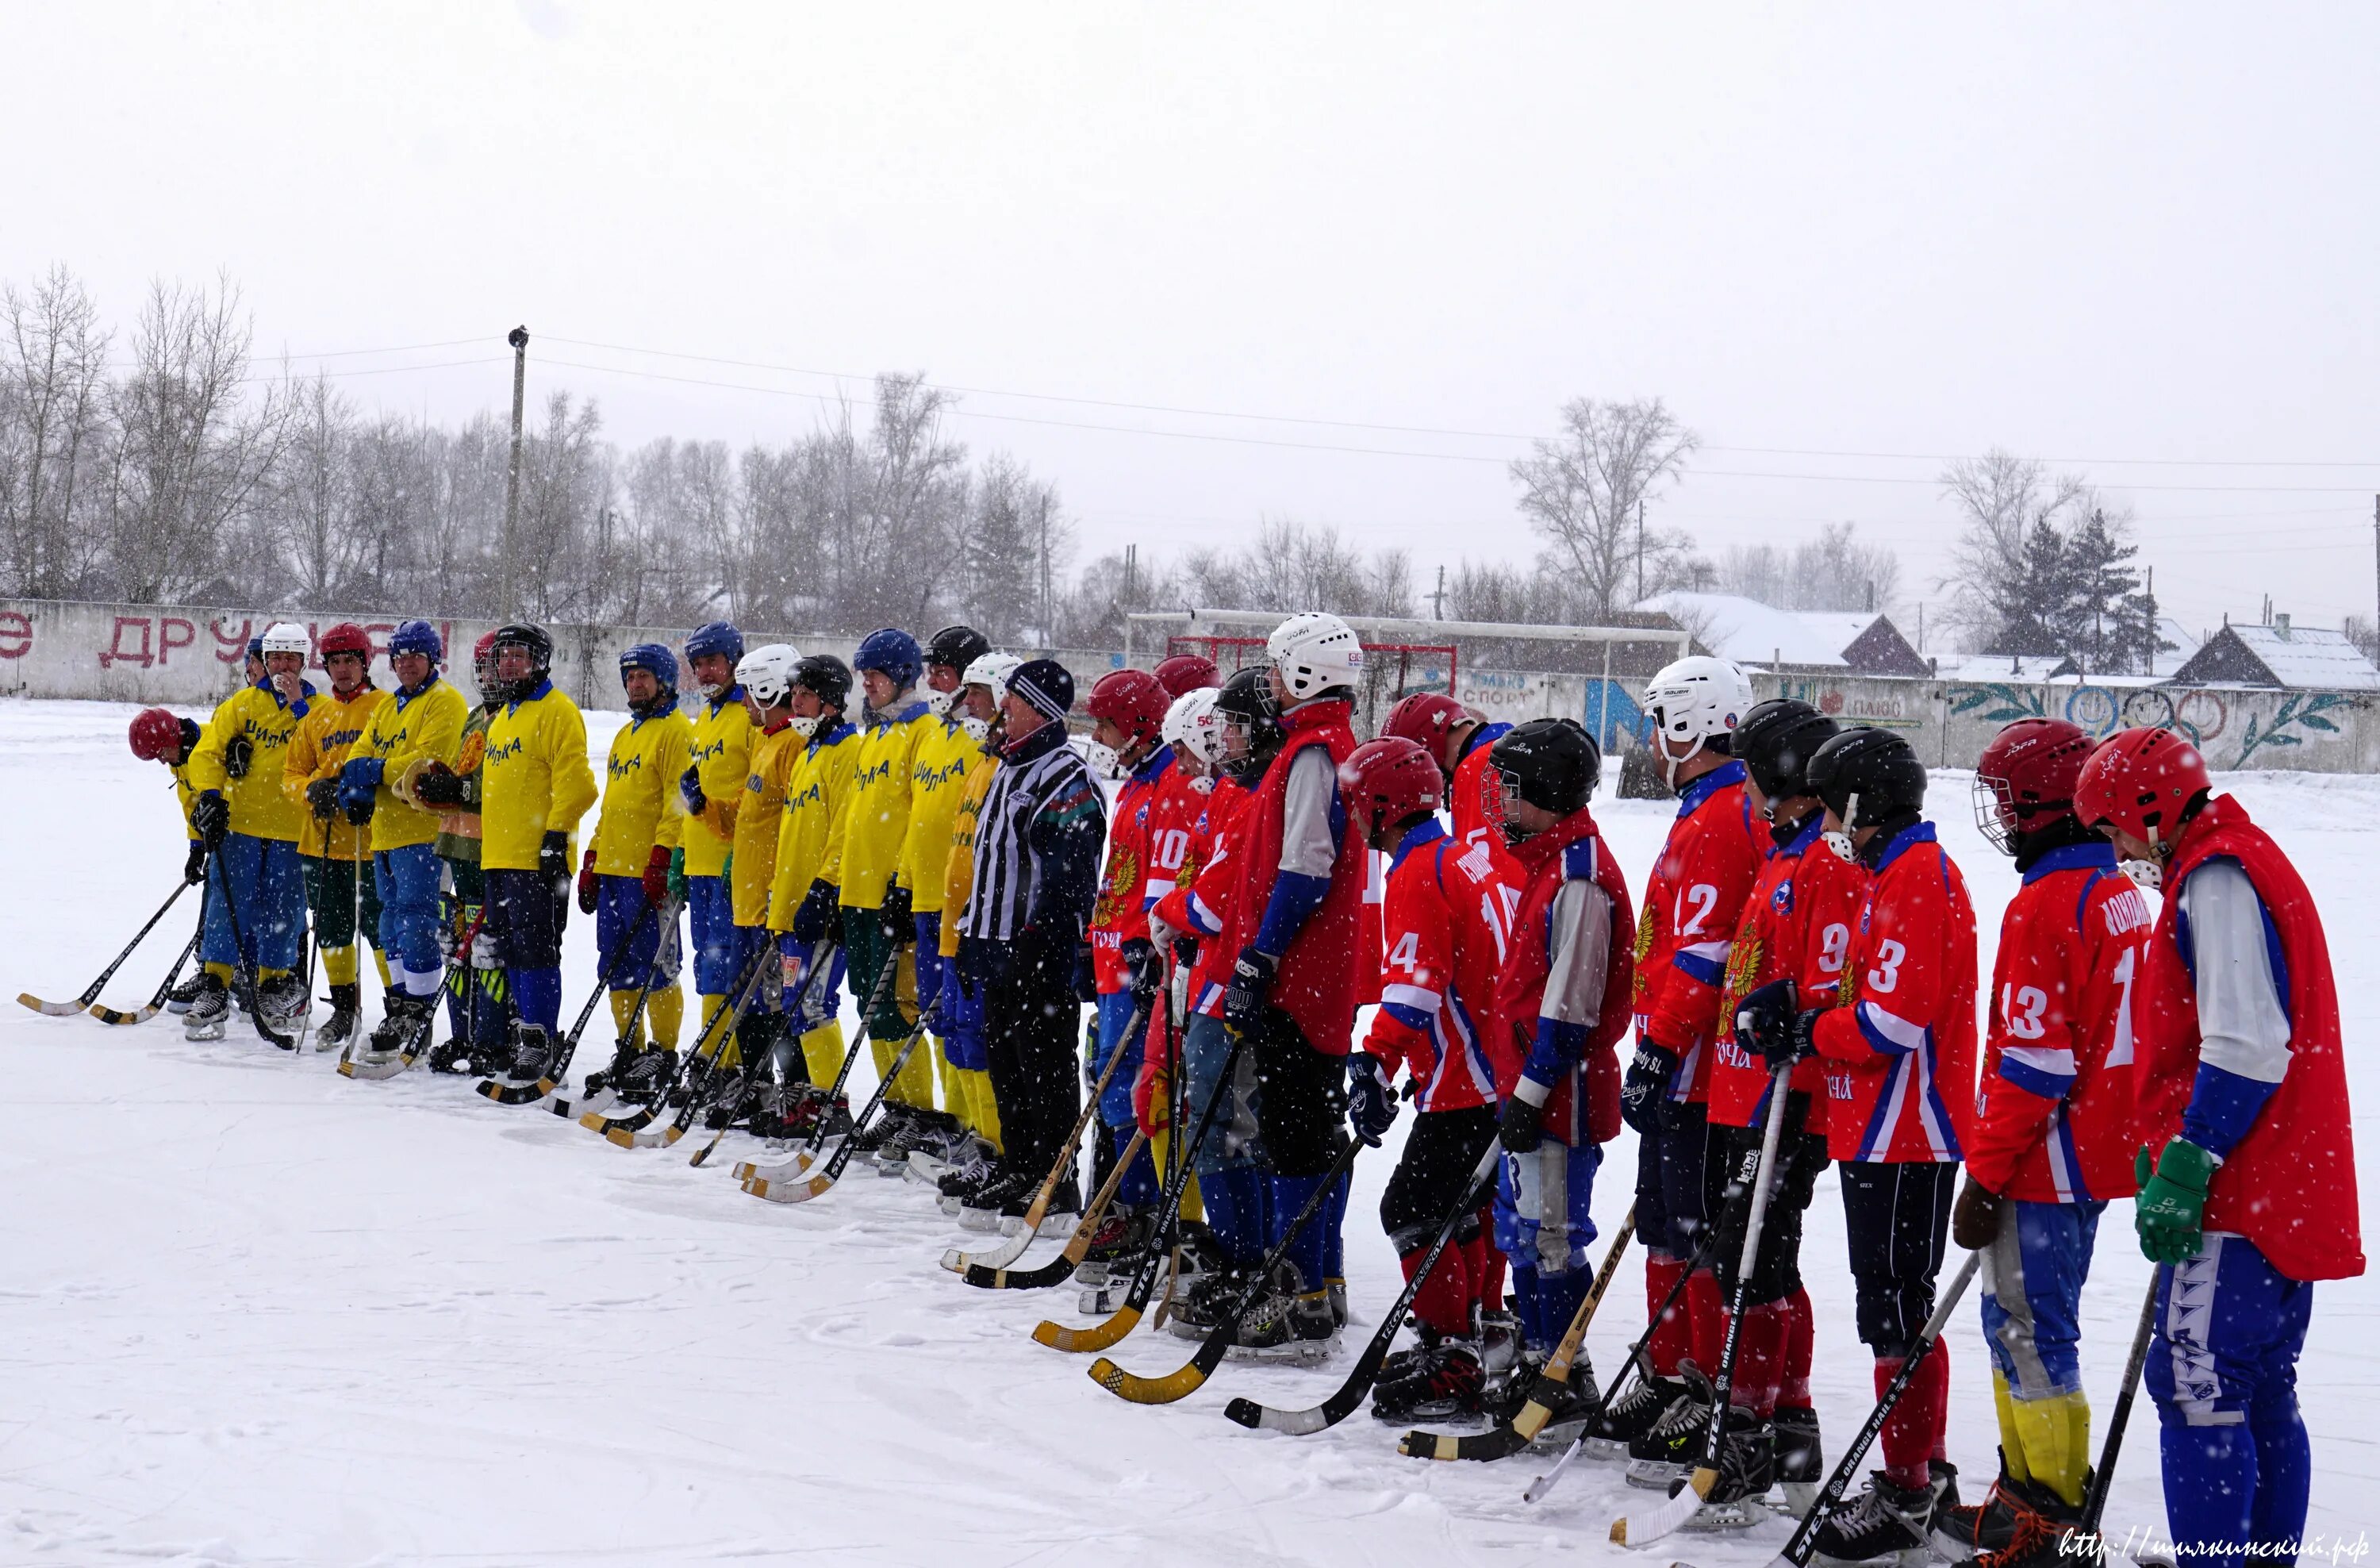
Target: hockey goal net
(1391, 670)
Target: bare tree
(2002, 498)
(1584, 494)
(1831, 572)
(53, 410)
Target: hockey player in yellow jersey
(158, 735)
(765, 675)
(335, 853)
(257, 918)
(804, 897)
(958, 1001)
(712, 791)
(537, 785)
(632, 879)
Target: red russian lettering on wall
(231, 649)
(116, 654)
(15, 635)
(167, 641)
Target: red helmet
(2026, 776)
(345, 637)
(484, 650)
(1386, 780)
(156, 735)
(1188, 672)
(1424, 718)
(1133, 701)
(2141, 783)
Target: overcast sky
(1841, 242)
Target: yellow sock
(953, 1094)
(624, 1002)
(339, 964)
(822, 1050)
(264, 975)
(665, 1011)
(2056, 1434)
(915, 1083)
(380, 962)
(985, 1107)
(2011, 1435)
(221, 972)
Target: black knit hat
(1045, 684)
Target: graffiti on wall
(2205, 716)
(1874, 704)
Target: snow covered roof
(1752, 633)
(2300, 658)
(2025, 668)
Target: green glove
(677, 876)
(2172, 1200)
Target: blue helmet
(255, 645)
(652, 657)
(894, 652)
(716, 637)
(416, 637)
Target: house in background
(2016, 669)
(1760, 637)
(2279, 655)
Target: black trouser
(526, 918)
(1672, 1190)
(1029, 1020)
(1776, 1265)
(1897, 1221)
(1301, 1098)
(340, 899)
(1441, 1152)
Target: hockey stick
(1173, 1162)
(1192, 1374)
(1101, 1335)
(2104, 1479)
(1349, 1394)
(620, 1130)
(156, 1002)
(1009, 1251)
(804, 1190)
(243, 970)
(356, 1029)
(91, 993)
(313, 952)
(504, 1092)
(351, 1066)
(1060, 1269)
(1545, 1390)
(792, 1013)
(1805, 1536)
(722, 1086)
(1682, 1503)
(806, 1156)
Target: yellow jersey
(258, 809)
(876, 833)
(760, 810)
(534, 779)
(958, 865)
(810, 832)
(410, 727)
(330, 729)
(939, 772)
(641, 806)
(723, 738)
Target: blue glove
(1252, 978)
(1371, 1099)
(361, 773)
(816, 917)
(1647, 1086)
(689, 785)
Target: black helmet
(1245, 703)
(957, 647)
(1775, 742)
(827, 675)
(1867, 778)
(1551, 763)
(521, 634)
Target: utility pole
(1640, 550)
(506, 603)
(2375, 568)
(1438, 600)
(2150, 593)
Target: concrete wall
(189, 657)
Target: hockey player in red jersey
(1458, 739)
(1561, 1005)
(1692, 903)
(2050, 1145)
(2247, 1162)
(1445, 922)
(1899, 1047)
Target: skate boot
(284, 1001)
(1446, 1382)
(181, 997)
(1286, 1327)
(1964, 1534)
(346, 1002)
(1426, 1340)
(1570, 1405)
(1747, 1468)
(533, 1052)
(984, 1208)
(1064, 1211)
(2045, 1531)
(644, 1080)
(1631, 1416)
(1116, 1247)
(210, 1011)
(1801, 1463)
(1884, 1523)
(403, 1030)
(624, 1059)
(966, 1177)
(915, 1135)
(1664, 1455)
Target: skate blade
(1101, 1301)
(1714, 1517)
(1906, 1557)
(926, 1170)
(1655, 1475)
(1296, 1353)
(1092, 1271)
(987, 1221)
(1555, 1437)
(891, 1168)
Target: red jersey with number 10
(1899, 1043)
(1446, 919)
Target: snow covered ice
(254, 1313)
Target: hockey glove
(322, 798)
(1371, 1099)
(1646, 1087)
(194, 868)
(1766, 1020)
(896, 915)
(1251, 985)
(211, 818)
(553, 863)
(1152, 1093)
(358, 785)
(657, 875)
(588, 888)
(817, 916)
(689, 788)
(239, 755)
(1519, 1124)
(2170, 1210)
(438, 784)
(1975, 1218)
(1146, 974)
(1086, 974)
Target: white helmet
(1695, 699)
(1314, 653)
(767, 672)
(1193, 727)
(288, 637)
(989, 671)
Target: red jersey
(1466, 797)
(1692, 906)
(1197, 906)
(1121, 913)
(1371, 974)
(1447, 918)
(1900, 1041)
(2288, 1186)
(1561, 999)
(1317, 981)
(2054, 1108)
(1797, 923)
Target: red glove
(586, 884)
(1152, 1093)
(656, 877)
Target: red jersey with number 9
(1796, 926)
